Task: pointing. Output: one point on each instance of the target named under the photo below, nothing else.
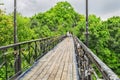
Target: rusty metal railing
(90, 65)
(16, 58)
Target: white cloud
(102, 8)
(108, 15)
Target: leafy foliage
(24, 31)
(104, 36)
(6, 28)
(60, 18)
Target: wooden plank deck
(57, 64)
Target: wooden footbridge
(54, 58)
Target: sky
(101, 8)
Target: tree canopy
(104, 36)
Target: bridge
(53, 58)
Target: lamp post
(87, 33)
(87, 39)
(17, 55)
(15, 23)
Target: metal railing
(90, 66)
(16, 58)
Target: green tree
(6, 29)
(23, 27)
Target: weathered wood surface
(58, 64)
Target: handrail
(106, 72)
(16, 58)
(20, 43)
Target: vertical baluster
(40, 48)
(19, 59)
(89, 69)
(5, 58)
(35, 49)
(49, 45)
(29, 53)
(51, 40)
(83, 67)
(54, 43)
(44, 46)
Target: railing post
(35, 47)
(29, 53)
(87, 33)
(89, 68)
(15, 22)
(39, 48)
(17, 61)
(43, 46)
(17, 55)
(48, 44)
(6, 75)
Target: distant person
(68, 34)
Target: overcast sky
(102, 8)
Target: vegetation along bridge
(53, 58)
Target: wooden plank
(58, 64)
(62, 73)
(41, 69)
(43, 66)
(50, 65)
(54, 73)
(41, 62)
(70, 67)
(61, 68)
(55, 66)
(65, 71)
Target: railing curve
(16, 58)
(88, 62)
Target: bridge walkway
(57, 64)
